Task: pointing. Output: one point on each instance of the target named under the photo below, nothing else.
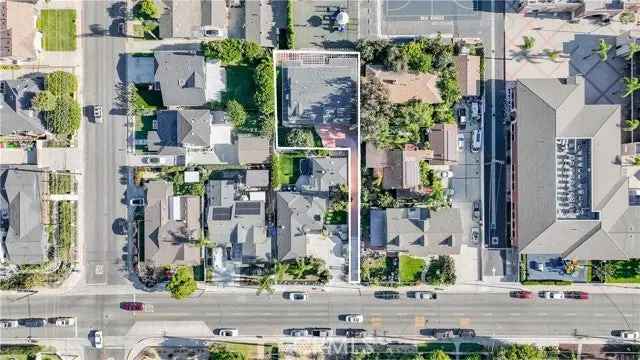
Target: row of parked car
(551, 295)
(37, 322)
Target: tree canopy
(520, 351)
(65, 117)
(300, 138)
(236, 113)
(220, 352)
(182, 284)
(438, 355)
(61, 83)
(441, 271)
(146, 10)
(44, 101)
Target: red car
(132, 306)
(522, 294)
(580, 295)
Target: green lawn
(240, 86)
(433, 346)
(148, 99)
(289, 168)
(59, 29)
(625, 271)
(410, 268)
(250, 351)
(472, 347)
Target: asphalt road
(491, 315)
(105, 147)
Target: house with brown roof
(468, 74)
(400, 169)
(443, 140)
(19, 37)
(407, 86)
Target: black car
(355, 333)
(33, 322)
(442, 334)
(467, 333)
(320, 332)
(387, 295)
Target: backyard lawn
(289, 168)
(625, 271)
(410, 268)
(59, 29)
(147, 99)
(240, 86)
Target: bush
(547, 282)
(9, 349)
(372, 51)
(291, 32)
(265, 96)
(300, 138)
(65, 117)
(44, 101)
(441, 271)
(236, 113)
(182, 284)
(61, 83)
(146, 10)
(228, 51)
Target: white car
(425, 295)
(65, 321)
(353, 318)
(460, 142)
(476, 141)
(97, 339)
(555, 295)
(228, 332)
(97, 113)
(136, 202)
(630, 335)
(297, 296)
(8, 324)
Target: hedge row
(547, 282)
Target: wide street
(491, 315)
(105, 175)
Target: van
(476, 142)
(475, 110)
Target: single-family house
(399, 169)
(406, 86)
(468, 74)
(19, 37)
(253, 149)
(322, 173)
(300, 223)
(443, 141)
(17, 116)
(193, 19)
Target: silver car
(8, 324)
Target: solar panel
(221, 213)
(248, 208)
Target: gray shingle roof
(15, 111)
(253, 149)
(26, 240)
(194, 128)
(298, 215)
(257, 178)
(548, 109)
(258, 19)
(182, 78)
(326, 173)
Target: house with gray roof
(571, 197)
(318, 88)
(300, 220)
(26, 241)
(16, 111)
(186, 79)
(171, 226)
(237, 224)
(322, 173)
(417, 231)
(253, 149)
(261, 20)
(193, 19)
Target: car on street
(466, 333)
(460, 142)
(462, 117)
(355, 333)
(475, 235)
(136, 202)
(297, 296)
(628, 334)
(425, 295)
(298, 332)
(97, 113)
(553, 295)
(578, 295)
(132, 306)
(353, 318)
(227, 332)
(387, 295)
(476, 141)
(33, 322)
(476, 210)
(444, 334)
(8, 324)
(320, 332)
(522, 294)
(97, 339)
(65, 321)
(155, 160)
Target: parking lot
(316, 25)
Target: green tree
(474, 356)
(220, 352)
(519, 351)
(253, 52)
(372, 51)
(528, 42)
(417, 58)
(441, 271)
(396, 59)
(375, 111)
(634, 48)
(44, 101)
(438, 355)
(631, 85)
(386, 200)
(64, 119)
(266, 283)
(264, 96)
(300, 268)
(236, 113)
(627, 17)
(146, 10)
(603, 50)
(300, 138)
(631, 125)
(426, 173)
(553, 55)
(182, 283)
(636, 160)
(280, 270)
(229, 51)
(291, 31)
(61, 83)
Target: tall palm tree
(603, 50)
(301, 267)
(631, 125)
(266, 283)
(279, 271)
(631, 86)
(634, 48)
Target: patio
(553, 268)
(320, 29)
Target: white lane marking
(514, 314)
(542, 314)
(570, 314)
(488, 314)
(598, 314)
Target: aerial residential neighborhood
(319, 179)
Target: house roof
(400, 168)
(375, 158)
(443, 139)
(186, 18)
(18, 34)
(468, 74)
(253, 149)
(182, 78)
(26, 240)
(549, 109)
(169, 236)
(258, 19)
(298, 217)
(323, 173)
(16, 110)
(418, 231)
(220, 193)
(319, 90)
(194, 127)
(257, 178)
(406, 86)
